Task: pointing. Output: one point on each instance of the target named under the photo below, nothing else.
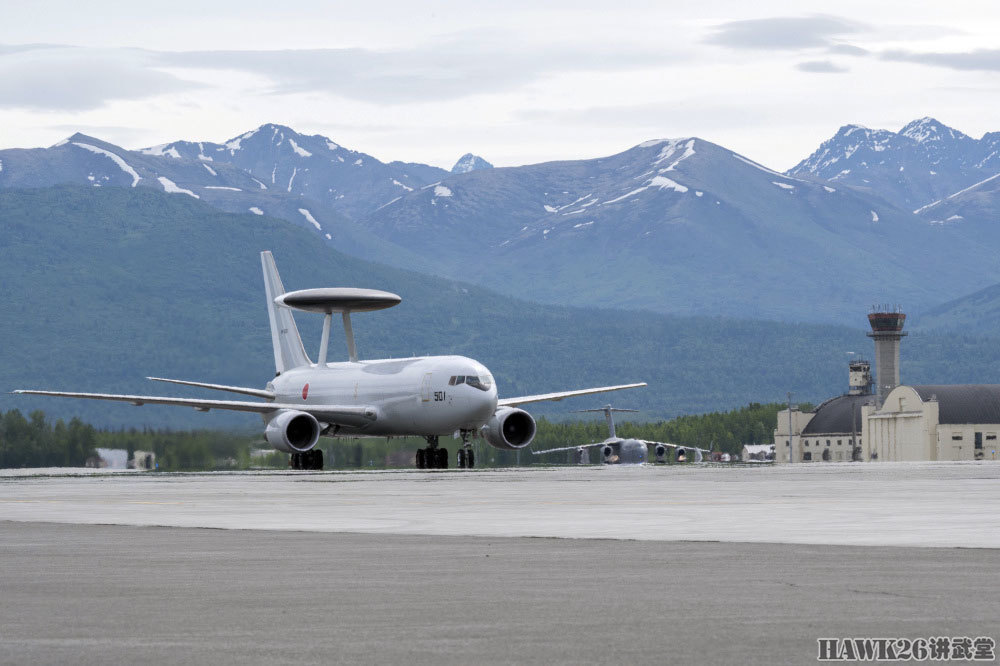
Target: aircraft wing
(333, 413)
(575, 448)
(542, 397)
(676, 446)
(257, 393)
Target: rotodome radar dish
(338, 299)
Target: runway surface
(106, 594)
(679, 564)
(887, 504)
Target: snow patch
(328, 236)
(358, 162)
(210, 169)
(387, 203)
(970, 187)
(221, 187)
(583, 224)
(331, 145)
(122, 164)
(441, 191)
(784, 186)
(874, 216)
(298, 149)
(405, 187)
(161, 150)
(955, 217)
(262, 185)
(235, 143)
(170, 187)
(309, 218)
(550, 209)
(698, 194)
(295, 170)
(663, 182)
(829, 189)
(669, 150)
(256, 211)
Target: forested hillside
(104, 286)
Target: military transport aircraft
(425, 396)
(630, 451)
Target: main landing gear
(312, 459)
(432, 457)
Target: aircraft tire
(442, 458)
(461, 458)
(317, 459)
(470, 459)
(296, 461)
(421, 459)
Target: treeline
(36, 442)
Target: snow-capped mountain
(923, 162)
(313, 166)
(187, 169)
(681, 225)
(469, 162)
(677, 225)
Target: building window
(807, 456)
(787, 443)
(990, 435)
(828, 442)
(956, 436)
(840, 443)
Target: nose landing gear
(466, 456)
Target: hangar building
(896, 422)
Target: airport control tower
(887, 331)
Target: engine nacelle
(509, 428)
(292, 431)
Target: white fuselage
(411, 396)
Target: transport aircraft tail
(288, 350)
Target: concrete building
(942, 422)
(833, 432)
(896, 422)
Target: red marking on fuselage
(305, 391)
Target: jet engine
(661, 453)
(509, 428)
(608, 455)
(292, 431)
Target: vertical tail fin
(288, 350)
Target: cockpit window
(482, 383)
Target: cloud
(978, 60)
(783, 33)
(77, 79)
(848, 49)
(821, 67)
(449, 68)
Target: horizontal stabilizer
(259, 393)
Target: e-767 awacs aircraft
(426, 396)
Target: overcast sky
(515, 81)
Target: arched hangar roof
(964, 403)
(835, 415)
